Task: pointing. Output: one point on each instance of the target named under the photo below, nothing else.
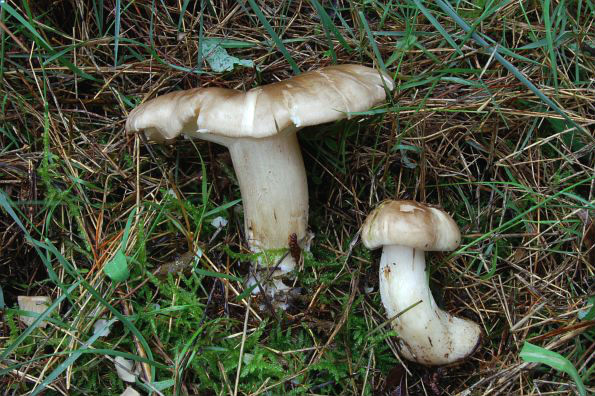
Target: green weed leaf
(535, 354)
(117, 268)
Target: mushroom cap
(310, 98)
(409, 223)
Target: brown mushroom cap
(310, 98)
(409, 223)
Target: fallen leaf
(130, 391)
(218, 58)
(125, 369)
(100, 326)
(219, 222)
(35, 304)
(182, 263)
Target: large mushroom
(405, 230)
(259, 129)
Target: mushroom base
(428, 335)
(271, 281)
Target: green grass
(491, 119)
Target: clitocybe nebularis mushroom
(259, 129)
(405, 229)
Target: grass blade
(37, 321)
(509, 66)
(127, 229)
(51, 249)
(200, 36)
(66, 363)
(221, 208)
(274, 36)
(372, 41)
(95, 351)
(328, 24)
(41, 41)
(98, 11)
(183, 11)
(510, 223)
(438, 26)
(550, 42)
(117, 33)
(216, 274)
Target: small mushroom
(259, 129)
(405, 230)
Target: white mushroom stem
(428, 334)
(274, 190)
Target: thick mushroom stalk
(428, 334)
(272, 180)
(259, 127)
(405, 230)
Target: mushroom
(259, 129)
(405, 229)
